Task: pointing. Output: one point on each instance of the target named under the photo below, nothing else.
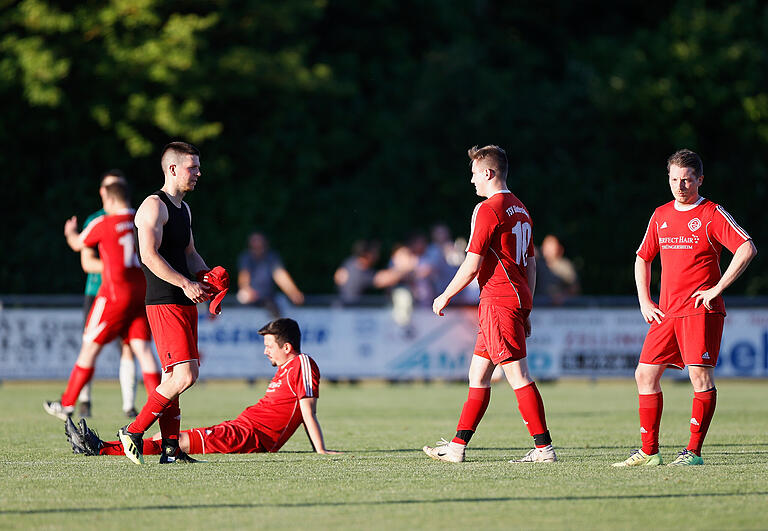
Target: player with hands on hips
(686, 327)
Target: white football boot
(545, 454)
(446, 451)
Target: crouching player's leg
(225, 438)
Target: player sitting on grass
(290, 400)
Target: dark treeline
(321, 122)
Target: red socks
(116, 448)
(151, 381)
(170, 422)
(650, 420)
(531, 408)
(77, 380)
(154, 407)
(701, 415)
(472, 412)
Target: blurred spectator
(356, 274)
(555, 275)
(443, 257)
(258, 267)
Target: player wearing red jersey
(170, 263)
(689, 234)
(290, 400)
(118, 310)
(500, 254)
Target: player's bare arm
(650, 310)
(90, 261)
(309, 416)
(72, 236)
(150, 219)
(741, 259)
(467, 272)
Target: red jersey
(121, 276)
(278, 415)
(501, 233)
(690, 242)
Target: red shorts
(174, 327)
(681, 341)
(501, 337)
(226, 438)
(113, 318)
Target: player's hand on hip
(705, 297)
(651, 312)
(439, 304)
(195, 291)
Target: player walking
(93, 266)
(500, 253)
(170, 262)
(290, 400)
(686, 326)
(118, 309)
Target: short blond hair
(492, 156)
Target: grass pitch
(384, 481)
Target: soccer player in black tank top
(171, 264)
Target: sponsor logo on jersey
(705, 356)
(663, 225)
(274, 386)
(678, 242)
(694, 224)
(694, 421)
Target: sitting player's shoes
(131, 413)
(686, 458)
(85, 409)
(73, 437)
(545, 454)
(446, 451)
(57, 410)
(171, 453)
(133, 445)
(91, 441)
(640, 458)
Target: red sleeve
(484, 223)
(92, 234)
(307, 381)
(650, 246)
(725, 230)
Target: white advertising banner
(366, 343)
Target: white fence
(38, 343)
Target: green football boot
(686, 458)
(640, 458)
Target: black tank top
(175, 240)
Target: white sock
(85, 393)
(127, 377)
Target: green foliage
(321, 122)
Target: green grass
(384, 481)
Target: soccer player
(500, 254)
(170, 263)
(290, 400)
(688, 233)
(92, 265)
(118, 310)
